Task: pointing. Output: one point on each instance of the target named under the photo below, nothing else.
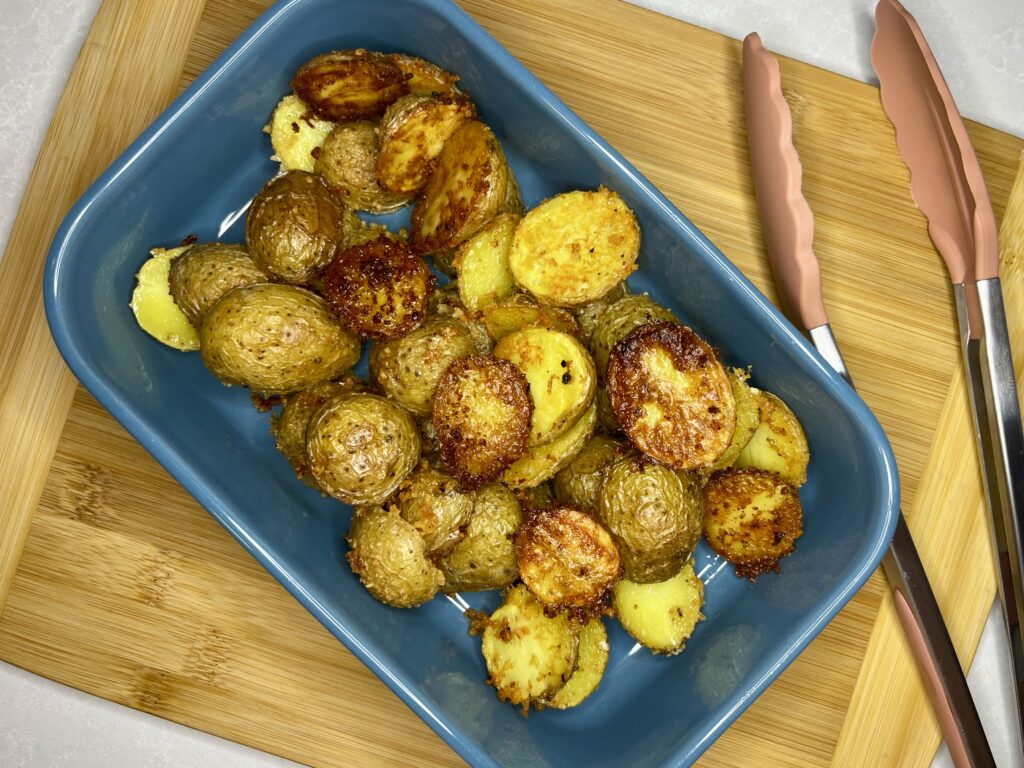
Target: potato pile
(530, 426)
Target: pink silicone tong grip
(785, 215)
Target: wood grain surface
(127, 589)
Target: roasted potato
(412, 134)
(485, 557)
(408, 368)
(389, 557)
(350, 85)
(206, 272)
(467, 188)
(423, 77)
(529, 655)
(567, 559)
(481, 415)
(275, 339)
(575, 247)
(519, 311)
(347, 161)
(591, 660)
(542, 462)
(661, 616)
(536, 497)
(154, 307)
(747, 417)
(753, 519)
(655, 513)
(606, 420)
(434, 504)
(295, 132)
(513, 202)
(446, 302)
(482, 263)
(561, 376)
(294, 227)
(359, 232)
(672, 395)
(618, 320)
(360, 447)
(587, 315)
(579, 482)
(778, 444)
(379, 290)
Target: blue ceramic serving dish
(194, 171)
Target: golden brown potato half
(561, 376)
(575, 247)
(591, 660)
(542, 462)
(407, 369)
(154, 307)
(616, 322)
(481, 415)
(423, 77)
(465, 191)
(347, 161)
(360, 447)
(778, 444)
(529, 655)
(567, 559)
(519, 311)
(671, 395)
(295, 132)
(482, 263)
(587, 315)
(579, 482)
(379, 290)
(294, 227)
(485, 557)
(747, 417)
(662, 615)
(275, 339)
(207, 271)
(436, 507)
(388, 556)
(412, 134)
(753, 519)
(349, 85)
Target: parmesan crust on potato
(350, 85)
(295, 132)
(423, 77)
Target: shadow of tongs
(788, 227)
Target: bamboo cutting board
(117, 583)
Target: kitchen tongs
(948, 187)
(788, 226)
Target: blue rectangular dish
(194, 171)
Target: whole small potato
(579, 483)
(360, 447)
(207, 271)
(485, 558)
(295, 227)
(275, 339)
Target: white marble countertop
(981, 50)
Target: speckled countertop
(979, 45)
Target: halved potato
(482, 263)
(778, 444)
(671, 395)
(295, 132)
(542, 462)
(591, 660)
(575, 247)
(413, 132)
(753, 519)
(485, 557)
(423, 77)
(747, 417)
(579, 482)
(465, 191)
(606, 420)
(155, 309)
(350, 85)
(561, 376)
(436, 507)
(520, 311)
(663, 615)
(347, 161)
(617, 320)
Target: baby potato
(275, 339)
(349, 85)
(388, 556)
(591, 660)
(294, 227)
(654, 513)
(485, 557)
(663, 615)
(154, 307)
(436, 507)
(379, 290)
(412, 134)
(295, 132)
(753, 519)
(482, 263)
(519, 311)
(446, 302)
(408, 368)
(513, 202)
(423, 77)
(541, 462)
(536, 497)
(778, 443)
(207, 271)
(467, 188)
(561, 376)
(618, 320)
(347, 161)
(481, 415)
(747, 417)
(567, 559)
(606, 420)
(587, 315)
(529, 655)
(579, 482)
(360, 447)
(575, 247)
(671, 395)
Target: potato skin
(294, 227)
(207, 271)
(424, 78)
(275, 339)
(519, 311)
(436, 507)
(778, 443)
(618, 320)
(747, 417)
(591, 660)
(485, 557)
(408, 368)
(541, 462)
(349, 85)
(578, 484)
(588, 314)
(360, 447)
(347, 161)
